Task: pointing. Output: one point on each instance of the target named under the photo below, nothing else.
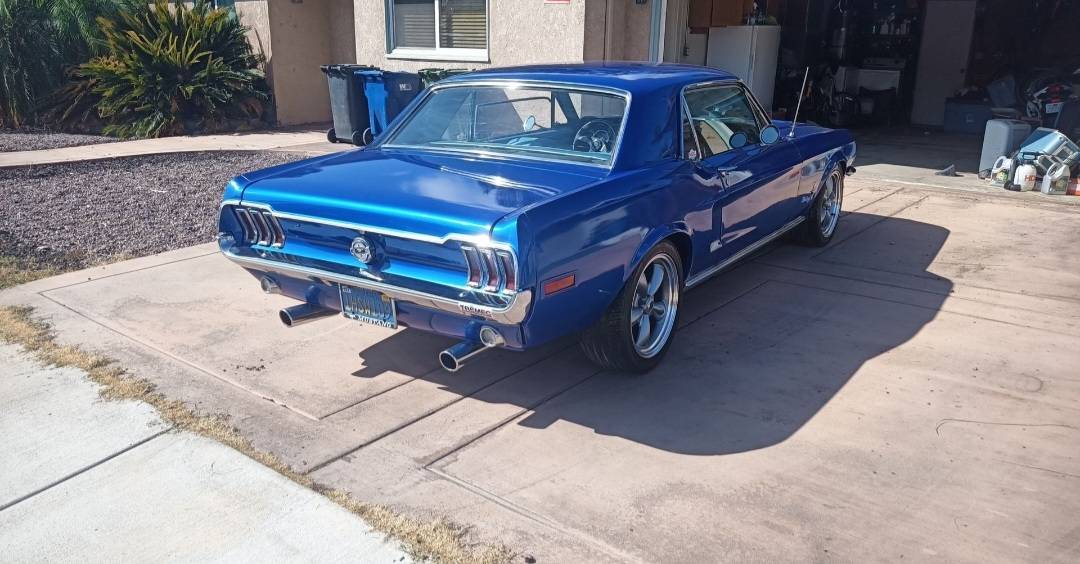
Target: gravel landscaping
(30, 140)
(72, 215)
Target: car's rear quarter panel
(599, 234)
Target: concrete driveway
(911, 391)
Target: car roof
(631, 77)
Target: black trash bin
(348, 104)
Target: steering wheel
(595, 136)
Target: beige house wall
(297, 37)
(255, 14)
(617, 30)
(342, 31)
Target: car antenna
(798, 106)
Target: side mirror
(738, 140)
(530, 123)
(770, 135)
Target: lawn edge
(436, 540)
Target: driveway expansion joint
(85, 469)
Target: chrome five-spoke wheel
(823, 217)
(639, 325)
(831, 199)
(653, 309)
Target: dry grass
(436, 540)
(14, 272)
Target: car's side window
(722, 117)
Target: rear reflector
(558, 284)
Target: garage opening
(915, 80)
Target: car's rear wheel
(824, 214)
(635, 332)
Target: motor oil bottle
(1056, 179)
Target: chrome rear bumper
(512, 313)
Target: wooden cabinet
(717, 13)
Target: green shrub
(170, 69)
(39, 39)
(31, 58)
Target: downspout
(656, 31)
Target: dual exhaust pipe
(455, 357)
(451, 359)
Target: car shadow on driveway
(760, 350)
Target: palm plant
(38, 40)
(169, 69)
(31, 58)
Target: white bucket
(1026, 177)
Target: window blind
(414, 23)
(463, 24)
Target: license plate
(1054, 107)
(368, 306)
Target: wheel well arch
(675, 235)
(685, 246)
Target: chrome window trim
(512, 313)
(693, 131)
(761, 116)
(515, 84)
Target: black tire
(815, 231)
(331, 135)
(609, 343)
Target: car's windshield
(542, 122)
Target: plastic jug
(1026, 177)
(1002, 172)
(1056, 180)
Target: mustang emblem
(363, 250)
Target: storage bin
(966, 116)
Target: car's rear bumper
(417, 309)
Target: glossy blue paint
(420, 207)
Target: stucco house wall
(298, 37)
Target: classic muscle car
(510, 207)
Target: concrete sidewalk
(110, 481)
(312, 141)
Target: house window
(448, 30)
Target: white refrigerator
(749, 52)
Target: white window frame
(438, 53)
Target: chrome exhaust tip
(303, 313)
(455, 357)
(269, 285)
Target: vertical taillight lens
(509, 268)
(493, 270)
(476, 271)
(260, 227)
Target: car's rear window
(565, 124)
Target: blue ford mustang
(509, 207)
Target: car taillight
(493, 270)
(260, 227)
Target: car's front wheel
(824, 214)
(635, 332)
